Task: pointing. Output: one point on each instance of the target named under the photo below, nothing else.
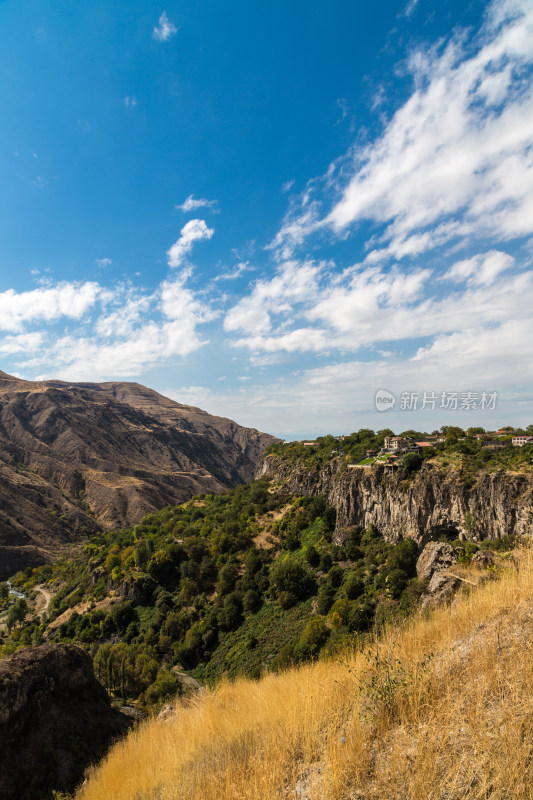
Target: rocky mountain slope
(74, 457)
(55, 719)
(423, 506)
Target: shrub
(284, 659)
(312, 556)
(230, 615)
(313, 637)
(353, 586)
(165, 686)
(403, 556)
(251, 601)
(361, 616)
(396, 582)
(353, 551)
(326, 595)
(412, 461)
(325, 562)
(334, 576)
(227, 578)
(340, 612)
(290, 577)
(287, 600)
(161, 567)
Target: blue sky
(273, 210)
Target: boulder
(441, 589)
(483, 559)
(434, 557)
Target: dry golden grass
(439, 710)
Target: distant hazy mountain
(74, 457)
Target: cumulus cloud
(122, 320)
(293, 283)
(193, 203)
(306, 307)
(480, 270)
(165, 30)
(71, 300)
(21, 343)
(76, 357)
(128, 331)
(193, 231)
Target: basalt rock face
(55, 719)
(76, 457)
(423, 507)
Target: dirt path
(43, 601)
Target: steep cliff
(424, 506)
(55, 719)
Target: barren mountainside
(74, 457)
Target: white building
(520, 441)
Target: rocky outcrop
(424, 506)
(78, 457)
(434, 557)
(432, 566)
(441, 588)
(55, 719)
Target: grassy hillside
(236, 584)
(440, 707)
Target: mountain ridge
(76, 457)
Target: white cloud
(130, 102)
(165, 30)
(134, 331)
(122, 321)
(480, 270)
(236, 272)
(410, 7)
(455, 161)
(103, 262)
(22, 343)
(196, 396)
(82, 358)
(120, 331)
(71, 300)
(308, 308)
(193, 203)
(293, 283)
(193, 231)
(339, 397)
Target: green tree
(17, 613)
(289, 576)
(354, 586)
(412, 461)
